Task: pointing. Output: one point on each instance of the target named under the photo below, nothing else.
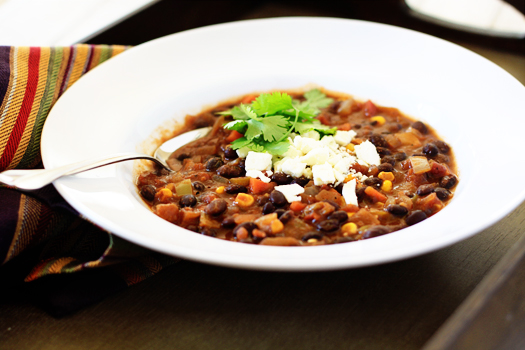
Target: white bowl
(473, 104)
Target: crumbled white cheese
(258, 175)
(349, 192)
(323, 174)
(305, 144)
(316, 156)
(367, 153)
(290, 192)
(293, 166)
(343, 138)
(258, 161)
(312, 134)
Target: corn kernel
(348, 178)
(386, 176)
(378, 119)
(349, 228)
(350, 147)
(164, 194)
(220, 189)
(276, 226)
(386, 186)
(244, 200)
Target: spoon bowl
(33, 179)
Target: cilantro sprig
(270, 118)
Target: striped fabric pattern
(31, 81)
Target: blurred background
(132, 22)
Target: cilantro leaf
(255, 128)
(314, 101)
(277, 148)
(237, 125)
(241, 112)
(272, 103)
(304, 127)
(270, 118)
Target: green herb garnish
(270, 118)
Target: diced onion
(420, 165)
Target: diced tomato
(430, 203)
(297, 206)
(375, 194)
(438, 170)
(370, 109)
(256, 186)
(234, 135)
(248, 99)
(344, 127)
(323, 119)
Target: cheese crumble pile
(326, 160)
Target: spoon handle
(33, 179)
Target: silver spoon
(34, 179)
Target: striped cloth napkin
(68, 261)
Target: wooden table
(452, 298)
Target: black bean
(386, 167)
(198, 186)
(301, 181)
(415, 217)
(332, 203)
(339, 188)
(441, 158)
(400, 156)
(188, 200)
(344, 239)
(356, 126)
(448, 181)
(278, 199)
(388, 159)
(216, 207)
(249, 226)
(328, 225)
(279, 212)
(229, 171)
(360, 193)
(339, 215)
(443, 193)
(423, 190)
(397, 210)
(214, 163)
(430, 150)
(383, 151)
(419, 126)
(375, 231)
(242, 164)
(230, 153)
(234, 189)
(442, 146)
(378, 140)
(208, 232)
(262, 200)
(286, 216)
(374, 182)
(268, 208)
(148, 192)
(228, 222)
(281, 178)
(312, 235)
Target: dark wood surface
(434, 299)
(195, 306)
